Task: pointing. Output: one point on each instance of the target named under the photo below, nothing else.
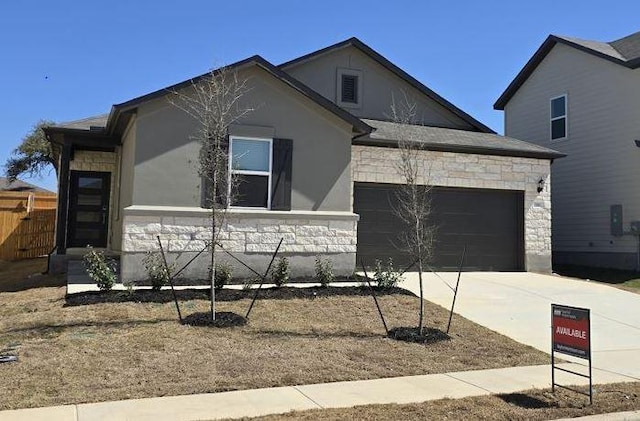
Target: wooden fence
(27, 224)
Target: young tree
(414, 196)
(214, 102)
(33, 157)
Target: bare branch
(413, 206)
(215, 101)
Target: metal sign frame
(573, 316)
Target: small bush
(248, 283)
(386, 277)
(223, 275)
(101, 269)
(324, 271)
(280, 272)
(156, 270)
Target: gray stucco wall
(123, 184)
(377, 85)
(166, 155)
(602, 166)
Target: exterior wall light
(540, 184)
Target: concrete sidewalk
(250, 403)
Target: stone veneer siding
(250, 235)
(449, 169)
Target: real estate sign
(571, 332)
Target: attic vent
(350, 89)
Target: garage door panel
(488, 222)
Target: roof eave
(464, 149)
(537, 58)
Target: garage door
(489, 222)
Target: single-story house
(325, 152)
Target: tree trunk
(213, 281)
(420, 323)
(212, 272)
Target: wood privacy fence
(27, 224)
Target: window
(559, 117)
(251, 161)
(349, 88)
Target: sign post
(571, 335)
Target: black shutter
(281, 174)
(221, 195)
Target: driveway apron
(518, 305)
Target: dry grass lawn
(529, 405)
(98, 347)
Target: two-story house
(582, 98)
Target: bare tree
(214, 101)
(414, 196)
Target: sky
(65, 60)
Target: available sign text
(571, 330)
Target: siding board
(602, 166)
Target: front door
(88, 209)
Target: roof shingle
(454, 140)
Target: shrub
(101, 269)
(156, 270)
(280, 272)
(324, 271)
(222, 276)
(386, 277)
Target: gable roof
(21, 186)
(624, 51)
(361, 46)
(97, 122)
(106, 123)
(257, 60)
(452, 140)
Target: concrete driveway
(518, 305)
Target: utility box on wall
(615, 221)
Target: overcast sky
(64, 60)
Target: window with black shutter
(261, 170)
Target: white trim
(190, 211)
(360, 94)
(565, 116)
(251, 172)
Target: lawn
(623, 279)
(528, 405)
(97, 347)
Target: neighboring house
(21, 186)
(583, 98)
(27, 220)
(131, 175)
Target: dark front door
(488, 222)
(88, 209)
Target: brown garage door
(489, 222)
